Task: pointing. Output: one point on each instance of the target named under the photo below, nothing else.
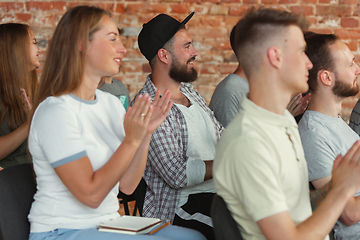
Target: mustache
(191, 60)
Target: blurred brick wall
(210, 28)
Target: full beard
(343, 90)
(181, 73)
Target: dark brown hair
(318, 52)
(14, 73)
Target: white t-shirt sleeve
(56, 131)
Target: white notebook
(130, 225)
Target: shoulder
(312, 124)
(53, 107)
(232, 87)
(243, 139)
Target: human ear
(325, 77)
(163, 55)
(274, 56)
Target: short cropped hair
(319, 53)
(258, 29)
(232, 40)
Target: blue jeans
(167, 233)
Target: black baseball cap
(157, 32)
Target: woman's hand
(161, 108)
(26, 100)
(137, 119)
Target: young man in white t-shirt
(259, 167)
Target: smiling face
(34, 52)
(296, 64)
(345, 72)
(183, 55)
(105, 50)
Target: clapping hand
(26, 100)
(298, 104)
(137, 119)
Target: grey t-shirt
(226, 99)
(323, 138)
(355, 118)
(118, 89)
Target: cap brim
(187, 18)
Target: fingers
(337, 161)
(294, 102)
(157, 98)
(352, 151)
(140, 107)
(148, 115)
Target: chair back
(225, 226)
(17, 189)
(138, 196)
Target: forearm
(90, 187)
(209, 170)
(323, 219)
(351, 213)
(10, 142)
(134, 173)
(281, 226)
(318, 195)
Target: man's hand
(346, 170)
(298, 104)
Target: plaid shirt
(165, 172)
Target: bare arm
(351, 213)
(315, 227)
(131, 178)
(318, 195)
(90, 187)
(346, 181)
(209, 169)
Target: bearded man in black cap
(179, 167)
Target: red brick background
(210, 28)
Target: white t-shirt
(64, 129)
(260, 169)
(201, 147)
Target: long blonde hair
(64, 64)
(14, 74)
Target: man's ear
(326, 77)
(163, 55)
(274, 56)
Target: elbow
(127, 190)
(349, 217)
(91, 200)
